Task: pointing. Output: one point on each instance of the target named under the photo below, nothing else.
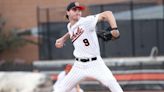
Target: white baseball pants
(95, 69)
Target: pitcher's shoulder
(87, 18)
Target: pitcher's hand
(59, 43)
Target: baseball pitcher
(88, 62)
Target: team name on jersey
(76, 35)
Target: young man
(62, 75)
(82, 32)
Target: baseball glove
(106, 34)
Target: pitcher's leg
(73, 77)
(109, 81)
(101, 72)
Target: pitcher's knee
(59, 90)
(113, 85)
(109, 82)
(62, 89)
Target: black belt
(86, 60)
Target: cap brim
(80, 8)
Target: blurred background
(29, 29)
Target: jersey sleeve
(70, 33)
(92, 20)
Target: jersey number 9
(86, 42)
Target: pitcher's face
(74, 14)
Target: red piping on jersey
(77, 34)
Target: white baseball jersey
(84, 38)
